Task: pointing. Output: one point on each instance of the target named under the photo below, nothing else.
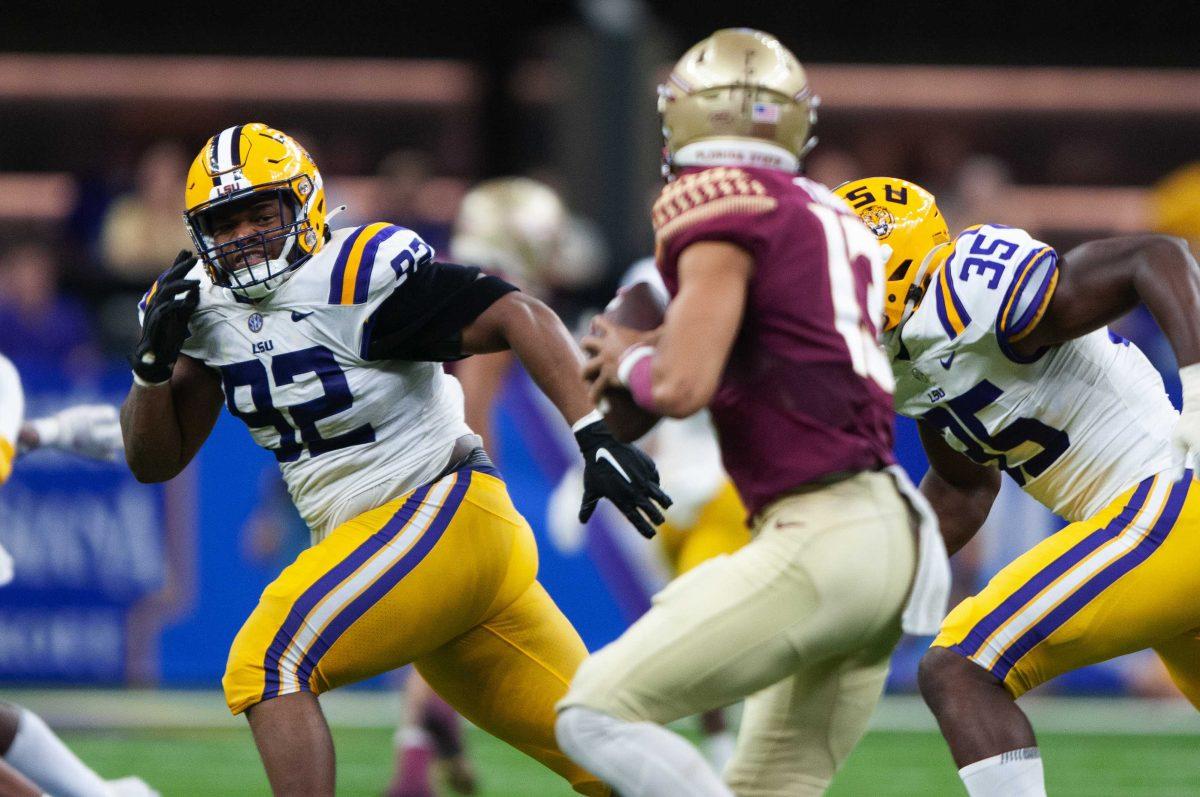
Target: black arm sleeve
(424, 317)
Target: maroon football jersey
(807, 390)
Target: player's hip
(418, 571)
(1118, 581)
(817, 538)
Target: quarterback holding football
(776, 298)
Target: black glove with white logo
(165, 321)
(624, 475)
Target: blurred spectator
(36, 322)
(832, 166)
(1175, 204)
(980, 180)
(410, 195)
(143, 230)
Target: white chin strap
(736, 152)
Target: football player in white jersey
(1000, 351)
(34, 760)
(328, 344)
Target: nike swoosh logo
(946, 361)
(603, 454)
(301, 316)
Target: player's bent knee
(593, 687)
(942, 671)
(242, 683)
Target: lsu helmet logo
(879, 220)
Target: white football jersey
(1075, 426)
(12, 414)
(349, 433)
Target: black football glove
(624, 475)
(165, 322)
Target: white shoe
(130, 787)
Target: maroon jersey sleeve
(718, 204)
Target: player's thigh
(801, 592)
(1100, 588)
(1181, 656)
(383, 589)
(796, 734)
(506, 674)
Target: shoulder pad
(987, 267)
(699, 196)
(374, 258)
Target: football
(640, 307)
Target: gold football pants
(1123, 580)
(444, 577)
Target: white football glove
(6, 567)
(1186, 435)
(87, 430)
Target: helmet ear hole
(891, 297)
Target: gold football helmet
(242, 164)
(906, 220)
(514, 225)
(737, 98)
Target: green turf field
(223, 762)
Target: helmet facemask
(290, 241)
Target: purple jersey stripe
(974, 640)
(940, 304)
(1007, 302)
(328, 582)
(1088, 591)
(389, 579)
(1014, 327)
(339, 267)
(362, 282)
(958, 305)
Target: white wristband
(587, 420)
(137, 380)
(632, 356)
(1189, 378)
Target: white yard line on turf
(154, 709)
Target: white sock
(42, 757)
(638, 759)
(1017, 773)
(718, 749)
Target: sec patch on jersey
(639, 307)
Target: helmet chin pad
(260, 279)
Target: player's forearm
(1168, 282)
(538, 338)
(701, 325)
(152, 435)
(961, 510)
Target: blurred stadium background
(1072, 124)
